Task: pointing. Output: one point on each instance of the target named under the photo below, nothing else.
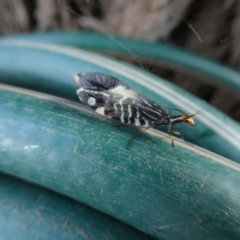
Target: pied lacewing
(110, 97)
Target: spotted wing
(110, 97)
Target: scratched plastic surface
(77, 153)
(31, 212)
(50, 68)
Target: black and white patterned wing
(94, 89)
(110, 97)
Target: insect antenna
(178, 110)
(185, 113)
(202, 111)
(194, 114)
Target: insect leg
(138, 134)
(173, 147)
(170, 130)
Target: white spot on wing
(129, 111)
(93, 92)
(122, 113)
(80, 90)
(121, 90)
(77, 79)
(91, 101)
(122, 117)
(100, 110)
(137, 122)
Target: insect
(110, 97)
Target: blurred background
(147, 187)
(208, 28)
